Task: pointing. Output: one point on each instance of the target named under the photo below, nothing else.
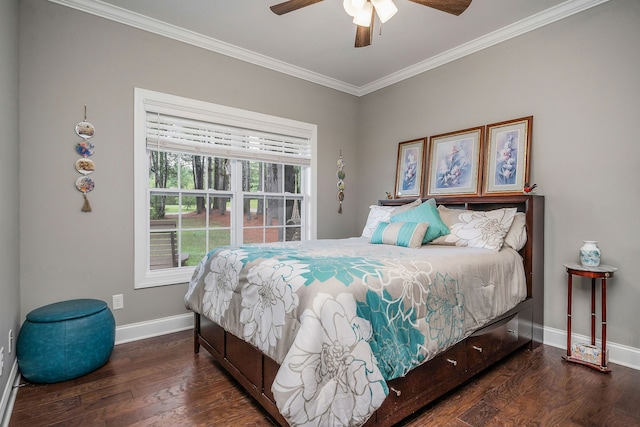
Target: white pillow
(477, 229)
(378, 214)
(516, 238)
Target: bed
(345, 332)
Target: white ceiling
(316, 42)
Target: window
(208, 175)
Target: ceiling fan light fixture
(385, 9)
(363, 17)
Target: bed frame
(521, 326)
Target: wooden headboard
(533, 251)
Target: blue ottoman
(65, 340)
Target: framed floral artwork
(455, 163)
(508, 151)
(410, 168)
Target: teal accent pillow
(426, 212)
(407, 234)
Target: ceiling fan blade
(454, 7)
(291, 5)
(364, 35)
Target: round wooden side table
(602, 272)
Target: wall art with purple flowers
(507, 160)
(409, 169)
(454, 163)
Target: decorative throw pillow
(476, 229)
(426, 212)
(450, 218)
(516, 238)
(402, 208)
(407, 234)
(378, 214)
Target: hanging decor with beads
(340, 176)
(84, 165)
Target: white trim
(9, 395)
(136, 20)
(142, 277)
(201, 110)
(207, 111)
(153, 328)
(618, 353)
(311, 191)
(124, 334)
(142, 22)
(553, 14)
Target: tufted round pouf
(65, 340)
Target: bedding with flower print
(342, 317)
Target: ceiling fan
(364, 12)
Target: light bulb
(348, 7)
(363, 17)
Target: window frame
(143, 276)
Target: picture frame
(455, 163)
(410, 168)
(508, 151)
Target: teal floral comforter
(342, 317)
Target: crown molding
(136, 20)
(142, 22)
(556, 13)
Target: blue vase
(590, 254)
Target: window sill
(167, 277)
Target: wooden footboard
(519, 327)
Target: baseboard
(9, 395)
(618, 353)
(125, 333)
(153, 328)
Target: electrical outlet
(118, 302)
(10, 341)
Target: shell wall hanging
(340, 176)
(84, 165)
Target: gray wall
(579, 79)
(70, 59)
(9, 188)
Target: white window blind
(178, 134)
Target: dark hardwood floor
(161, 382)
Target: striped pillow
(426, 212)
(407, 234)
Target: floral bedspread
(343, 316)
